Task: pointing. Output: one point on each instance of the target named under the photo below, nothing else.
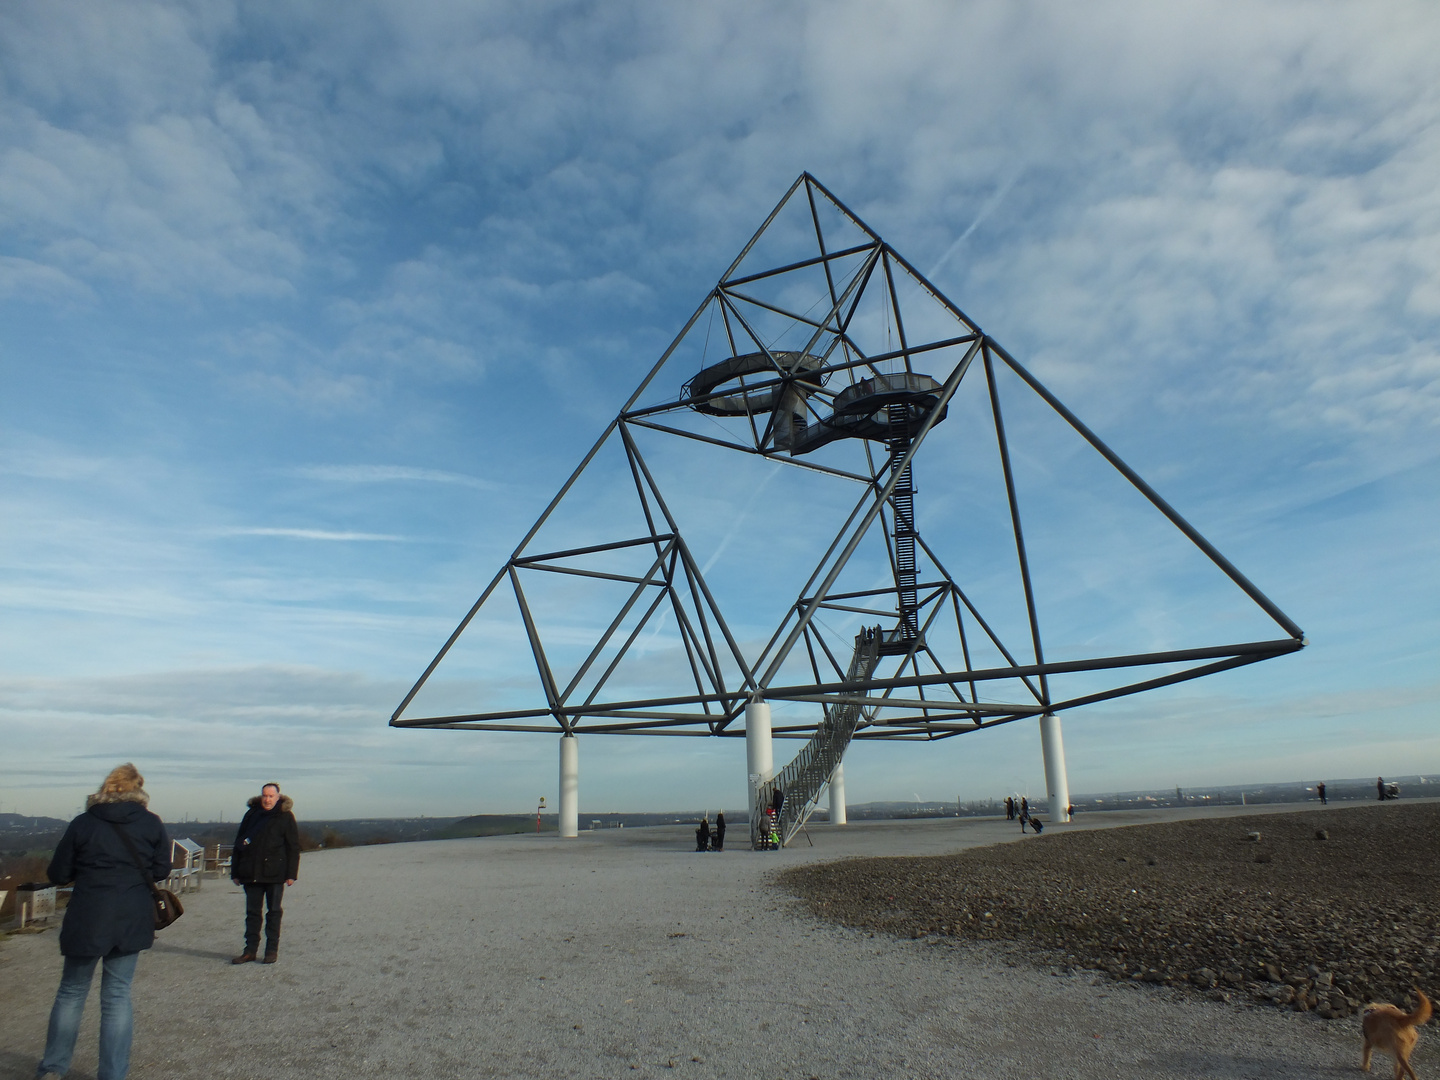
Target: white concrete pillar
(759, 754)
(837, 795)
(569, 785)
(1052, 747)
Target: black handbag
(167, 905)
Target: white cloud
(1203, 171)
(376, 474)
(27, 278)
(306, 534)
(454, 236)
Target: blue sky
(303, 318)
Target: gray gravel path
(621, 954)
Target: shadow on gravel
(15, 1066)
(203, 954)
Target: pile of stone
(1317, 911)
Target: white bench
(186, 860)
(219, 863)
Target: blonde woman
(111, 917)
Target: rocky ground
(1320, 911)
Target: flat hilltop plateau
(626, 953)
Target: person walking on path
(720, 831)
(265, 858)
(1320, 790)
(1380, 787)
(1024, 813)
(1009, 807)
(110, 920)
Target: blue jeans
(117, 1017)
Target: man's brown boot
(244, 958)
(271, 955)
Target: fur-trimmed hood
(284, 804)
(267, 845)
(101, 797)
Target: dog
(1392, 1030)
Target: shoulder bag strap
(130, 845)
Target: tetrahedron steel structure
(823, 349)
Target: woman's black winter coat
(267, 845)
(111, 910)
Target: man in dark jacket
(265, 858)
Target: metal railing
(803, 780)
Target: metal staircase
(805, 778)
(902, 504)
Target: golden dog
(1392, 1030)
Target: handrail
(802, 781)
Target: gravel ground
(1319, 910)
(623, 953)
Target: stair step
(805, 778)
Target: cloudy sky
(304, 315)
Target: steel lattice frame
(920, 695)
